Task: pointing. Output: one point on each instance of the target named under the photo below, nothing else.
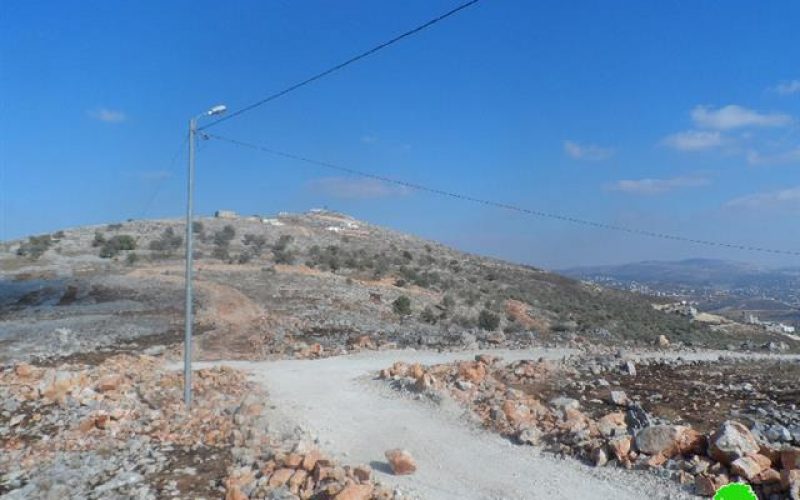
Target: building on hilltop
(225, 214)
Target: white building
(225, 214)
(779, 328)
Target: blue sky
(680, 117)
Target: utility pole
(187, 341)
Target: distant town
(766, 298)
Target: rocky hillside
(310, 285)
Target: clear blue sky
(680, 117)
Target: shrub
(280, 250)
(488, 320)
(35, 246)
(114, 227)
(223, 237)
(221, 253)
(167, 243)
(464, 321)
(256, 242)
(448, 302)
(428, 316)
(283, 242)
(285, 256)
(197, 227)
(131, 259)
(58, 234)
(116, 244)
(99, 239)
(402, 305)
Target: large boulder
(659, 439)
(669, 440)
(731, 442)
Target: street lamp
(187, 345)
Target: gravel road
(356, 419)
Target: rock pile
(295, 474)
(627, 437)
(120, 429)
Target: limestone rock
(707, 485)
(611, 424)
(401, 461)
(659, 439)
(530, 435)
(747, 467)
(355, 492)
(732, 441)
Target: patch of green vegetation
(224, 236)
(281, 253)
(167, 243)
(116, 244)
(487, 320)
(402, 306)
(255, 242)
(99, 239)
(35, 246)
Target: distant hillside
(705, 272)
(731, 288)
(276, 284)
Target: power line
(506, 206)
(160, 182)
(339, 66)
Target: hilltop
(304, 284)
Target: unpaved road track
(356, 419)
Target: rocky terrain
(675, 417)
(323, 278)
(119, 429)
(91, 325)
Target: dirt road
(356, 419)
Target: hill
(302, 285)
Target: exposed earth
(338, 360)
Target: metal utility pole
(187, 341)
